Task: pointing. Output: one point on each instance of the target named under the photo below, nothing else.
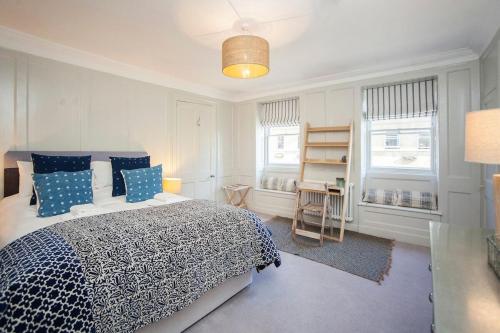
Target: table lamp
(172, 185)
(482, 145)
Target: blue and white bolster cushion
(142, 184)
(121, 271)
(57, 192)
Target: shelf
(329, 129)
(331, 162)
(306, 233)
(312, 207)
(318, 187)
(327, 144)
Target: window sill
(282, 168)
(283, 193)
(400, 174)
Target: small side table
(232, 191)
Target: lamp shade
(482, 136)
(245, 57)
(172, 185)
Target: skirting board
(208, 302)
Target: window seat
(404, 224)
(274, 202)
(400, 208)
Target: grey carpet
(305, 296)
(359, 254)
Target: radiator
(336, 203)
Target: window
(401, 143)
(280, 120)
(424, 141)
(401, 120)
(391, 141)
(281, 142)
(282, 145)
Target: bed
(153, 266)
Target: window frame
(402, 170)
(279, 166)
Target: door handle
(212, 176)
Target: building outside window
(401, 143)
(391, 141)
(282, 145)
(424, 141)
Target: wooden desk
(466, 291)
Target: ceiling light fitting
(245, 57)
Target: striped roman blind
(280, 113)
(417, 98)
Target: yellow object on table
(172, 185)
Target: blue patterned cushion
(49, 164)
(125, 163)
(143, 184)
(58, 191)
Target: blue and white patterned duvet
(118, 272)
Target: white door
(196, 149)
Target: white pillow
(25, 178)
(290, 185)
(102, 174)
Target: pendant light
(245, 57)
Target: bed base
(208, 302)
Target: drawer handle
(430, 267)
(430, 298)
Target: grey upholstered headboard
(11, 172)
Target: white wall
(490, 98)
(341, 103)
(49, 105)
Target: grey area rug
(359, 254)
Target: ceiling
(309, 39)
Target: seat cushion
(416, 199)
(382, 197)
(278, 183)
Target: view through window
(283, 145)
(401, 143)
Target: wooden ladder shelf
(322, 188)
